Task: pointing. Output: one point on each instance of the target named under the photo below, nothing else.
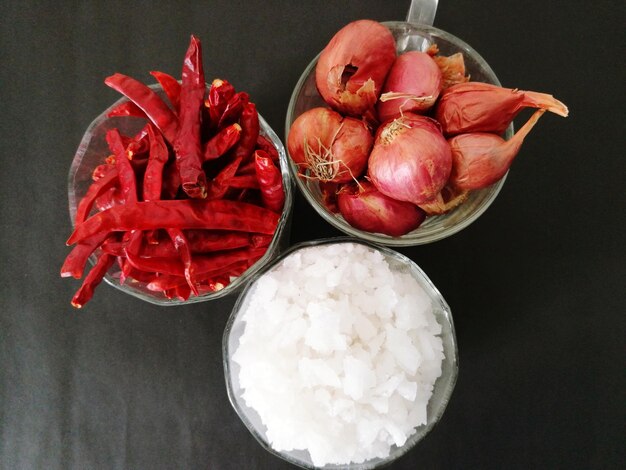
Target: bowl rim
(448, 386)
(336, 220)
(282, 228)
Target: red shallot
(447, 199)
(366, 208)
(413, 84)
(482, 107)
(480, 159)
(351, 69)
(332, 147)
(411, 160)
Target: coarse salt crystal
(358, 377)
(401, 346)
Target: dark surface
(536, 285)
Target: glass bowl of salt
(340, 354)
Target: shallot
(411, 160)
(480, 159)
(366, 208)
(351, 69)
(447, 199)
(482, 107)
(332, 147)
(413, 84)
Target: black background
(536, 285)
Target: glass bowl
(408, 36)
(443, 386)
(92, 151)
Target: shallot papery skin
(410, 160)
(351, 69)
(482, 107)
(447, 199)
(452, 69)
(413, 84)
(480, 159)
(366, 208)
(333, 147)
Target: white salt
(358, 377)
(339, 354)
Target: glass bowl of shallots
(401, 134)
(179, 192)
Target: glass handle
(422, 12)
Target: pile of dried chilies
(188, 203)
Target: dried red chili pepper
(185, 214)
(245, 181)
(107, 180)
(187, 145)
(200, 241)
(112, 247)
(169, 294)
(171, 181)
(243, 195)
(101, 170)
(236, 270)
(248, 168)
(121, 264)
(216, 263)
(165, 282)
(205, 241)
(109, 198)
(263, 143)
(161, 265)
(210, 282)
(219, 185)
(144, 97)
(184, 251)
(234, 109)
(249, 132)
(95, 276)
(182, 292)
(76, 260)
(203, 265)
(222, 142)
(125, 172)
(215, 284)
(136, 274)
(170, 86)
(153, 177)
(127, 108)
(220, 94)
(258, 240)
(139, 144)
(270, 181)
(152, 191)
